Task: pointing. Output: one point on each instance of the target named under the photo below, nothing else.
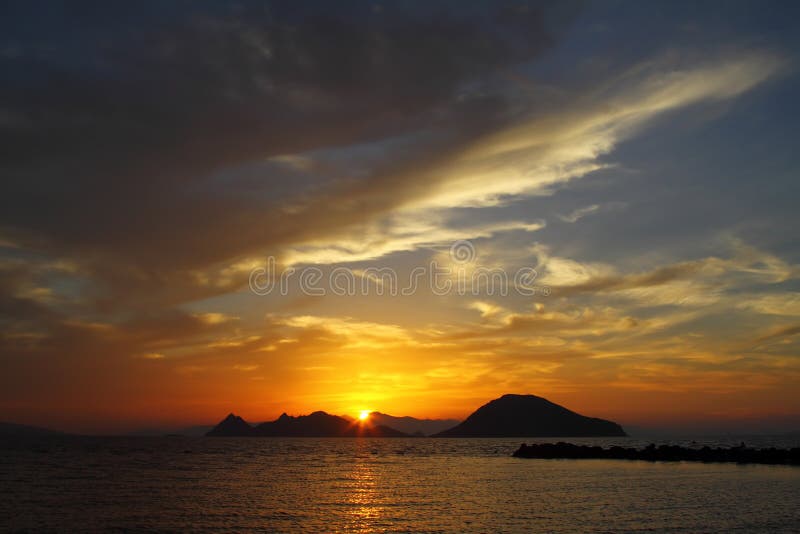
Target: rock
(663, 453)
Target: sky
(605, 191)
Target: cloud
(572, 278)
(786, 304)
(532, 156)
(359, 334)
(592, 209)
(402, 233)
(247, 368)
(580, 213)
(487, 309)
(779, 333)
(547, 149)
(213, 318)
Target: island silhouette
(317, 425)
(412, 425)
(529, 416)
(509, 416)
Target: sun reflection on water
(365, 508)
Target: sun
(363, 415)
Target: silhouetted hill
(530, 416)
(233, 425)
(15, 430)
(412, 425)
(317, 424)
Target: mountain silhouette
(412, 425)
(233, 425)
(317, 425)
(530, 416)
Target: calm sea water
(368, 485)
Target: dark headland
(663, 453)
(530, 416)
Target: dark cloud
(114, 117)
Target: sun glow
(363, 415)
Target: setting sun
(364, 415)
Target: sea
(181, 484)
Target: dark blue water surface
(377, 485)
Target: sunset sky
(641, 157)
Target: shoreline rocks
(662, 453)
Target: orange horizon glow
(629, 408)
